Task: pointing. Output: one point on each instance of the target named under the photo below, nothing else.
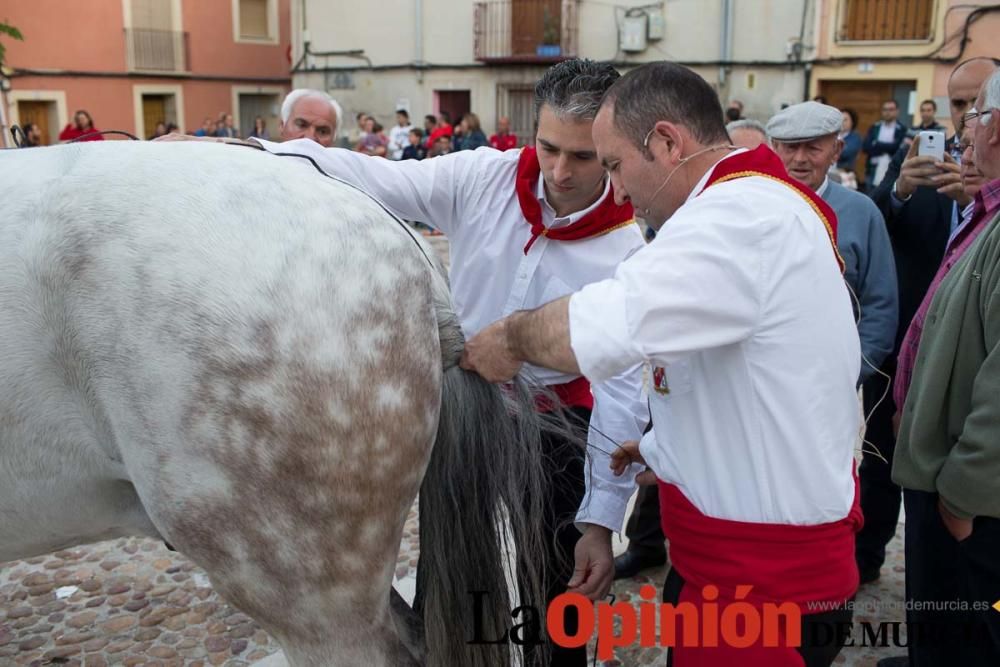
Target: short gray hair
(301, 93)
(574, 88)
(991, 92)
(748, 124)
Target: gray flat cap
(804, 121)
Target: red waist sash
(811, 566)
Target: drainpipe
(727, 44)
(418, 34)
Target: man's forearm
(541, 336)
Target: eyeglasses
(972, 115)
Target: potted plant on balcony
(550, 47)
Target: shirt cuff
(598, 330)
(605, 504)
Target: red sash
(762, 161)
(573, 394)
(607, 217)
(783, 563)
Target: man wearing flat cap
(805, 138)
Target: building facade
(134, 63)
(485, 56)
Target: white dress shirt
(470, 196)
(740, 299)
(399, 138)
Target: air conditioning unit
(633, 33)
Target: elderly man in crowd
(740, 307)
(948, 451)
(805, 137)
(747, 133)
(310, 114)
(922, 202)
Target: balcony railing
(156, 50)
(531, 31)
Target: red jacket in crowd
(504, 142)
(72, 132)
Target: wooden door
(866, 98)
(37, 113)
(533, 23)
(154, 110)
(455, 102)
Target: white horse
(253, 361)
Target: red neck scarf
(762, 161)
(607, 217)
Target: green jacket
(949, 438)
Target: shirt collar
(988, 197)
(708, 174)
(823, 186)
(572, 217)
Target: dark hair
(665, 91)
(894, 102)
(171, 127)
(445, 115)
(930, 102)
(432, 118)
(820, 99)
(376, 127)
(854, 117)
(574, 88)
(90, 119)
(404, 113)
(732, 114)
(417, 131)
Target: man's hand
(960, 529)
(177, 136)
(595, 565)
(949, 181)
(916, 171)
(628, 453)
(489, 354)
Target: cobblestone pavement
(133, 602)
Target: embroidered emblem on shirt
(660, 380)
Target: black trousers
(817, 649)
(566, 467)
(880, 496)
(645, 536)
(942, 571)
(643, 529)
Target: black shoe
(631, 563)
(898, 661)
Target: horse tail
(481, 497)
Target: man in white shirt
(739, 305)
(310, 114)
(525, 228)
(399, 135)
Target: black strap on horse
(21, 139)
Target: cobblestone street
(133, 602)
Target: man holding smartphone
(921, 209)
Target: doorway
(866, 98)
(42, 114)
(456, 103)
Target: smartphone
(932, 144)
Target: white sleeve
(620, 413)
(695, 287)
(429, 191)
